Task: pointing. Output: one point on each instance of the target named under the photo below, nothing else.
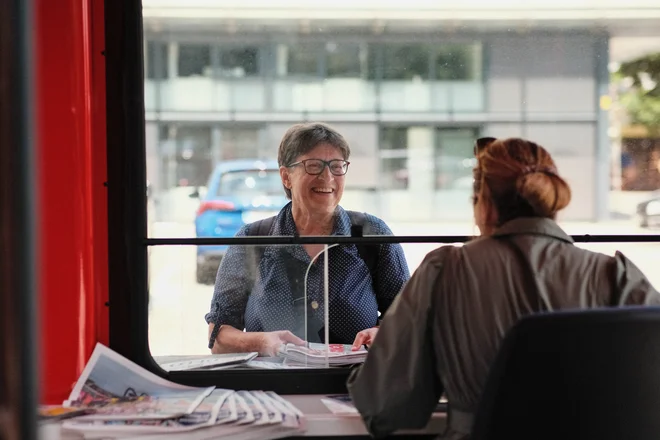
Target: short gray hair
(299, 139)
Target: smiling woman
(268, 298)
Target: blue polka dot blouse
(260, 288)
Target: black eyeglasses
(315, 167)
(482, 143)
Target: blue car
(238, 192)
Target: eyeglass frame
(326, 164)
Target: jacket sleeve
(631, 285)
(398, 386)
(233, 284)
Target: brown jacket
(445, 327)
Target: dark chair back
(588, 374)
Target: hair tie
(531, 169)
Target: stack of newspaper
(124, 401)
(322, 354)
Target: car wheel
(205, 274)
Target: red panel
(64, 100)
(99, 172)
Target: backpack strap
(368, 252)
(261, 228)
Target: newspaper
(207, 414)
(128, 402)
(117, 389)
(263, 426)
(320, 354)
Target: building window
(194, 60)
(345, 60)
(156, 60)
(406, 62)
(299, 60)
(394, 157)
(454, 158)
(457, 62)
(239, 143)
(185, 155)
(239, 62)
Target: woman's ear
(285, 176)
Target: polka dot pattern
(266, 294)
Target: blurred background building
(410, 84)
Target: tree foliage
(642, 99)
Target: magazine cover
(317, 354)
(116, 388)
(205, 415)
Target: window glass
(301, 59)
(406, 61)
(410, 93)
(252, 182)
(345, 60)
(156, 60)
(194, 60)
(455, 159)
(182, 277)
(457, 62)
(240, 143)
(394, 158)
(185, 154)
(239, 62)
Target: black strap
(262, 227)
(368, 253)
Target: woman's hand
(270, 342)
(365, 337)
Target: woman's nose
(326, 174)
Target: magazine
(56, 413)
(255, 407)
(322, 354)
(274, 413)
(291, 416)
(208, 413)
(243, 411)
(121, 400)
(117, 389)
(213, 362)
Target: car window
(236, 183)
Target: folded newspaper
(124, 401)
(322, 354)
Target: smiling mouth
(323, 190)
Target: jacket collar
(533, 226)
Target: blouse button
(315, 305)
